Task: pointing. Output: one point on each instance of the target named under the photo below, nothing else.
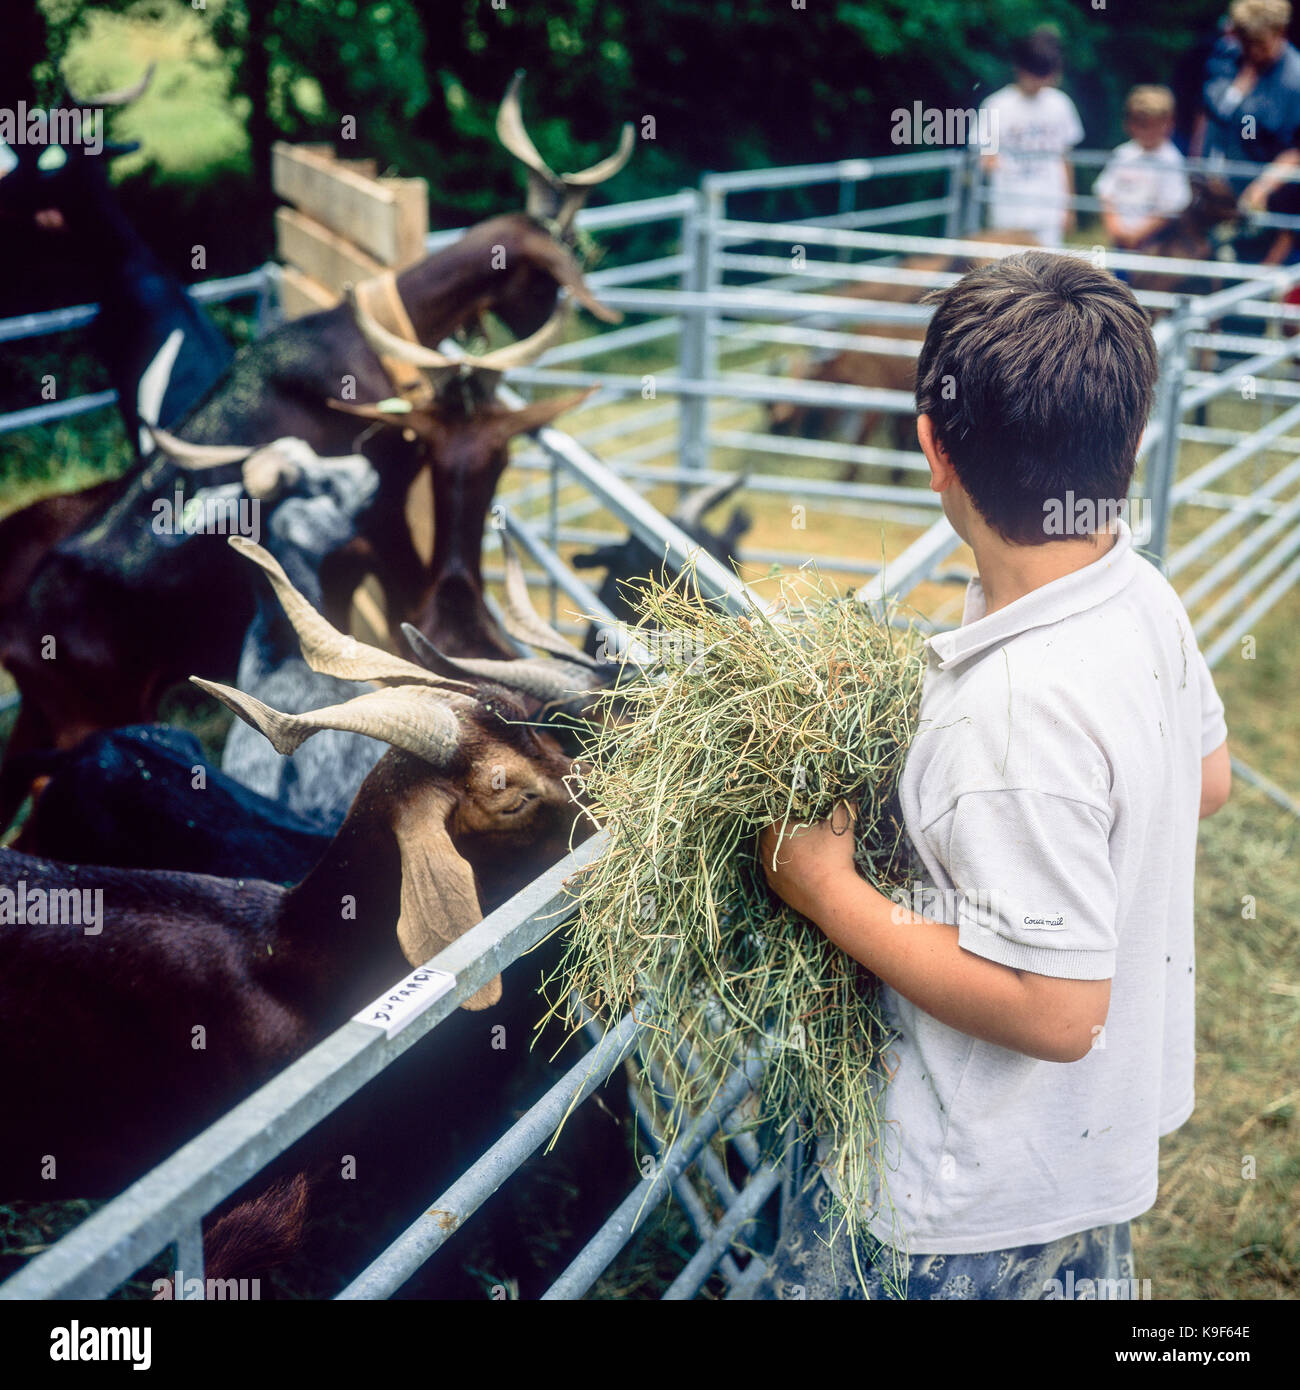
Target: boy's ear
(942, 473)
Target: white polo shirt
(1052, 796)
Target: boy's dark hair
(1038, 54)
(1037, 372)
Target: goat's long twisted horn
(386, 344)
(124, 96)
(523, 622)
(517, 354)
(324, 648)
(693, 508)
(606, 168)
(545, 678)
(515, 138)
(411, 717)
(524, 350)
(197, 456)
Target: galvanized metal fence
(682, 422)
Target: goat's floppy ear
(439, 897)
(410, 717)
(545, 253)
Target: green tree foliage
(725, 83)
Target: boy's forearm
(923, 961)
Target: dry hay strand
(739, 723)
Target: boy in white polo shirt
(1070, 737)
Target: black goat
(145, 797)
(162, 352)
(627, 564)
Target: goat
(302, 531)
(93, 591)
(876, 370)
(464, 434)
(208, 987)
(90, 652)
(145, 797)
(162, 352)
(628, 564)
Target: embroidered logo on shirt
(1056, 923)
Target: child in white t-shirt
(1143, 186)
(1026, 130)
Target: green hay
(740, 723)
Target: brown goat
(876, 370)
(192, 991)
(464, 434)
(1188, 237)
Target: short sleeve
(1073, 126)
(1105, 185)
(1035, 886)
(983, 131)
(1214, 727)
(1175, 192)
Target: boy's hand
(812, 859)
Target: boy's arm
(1216, 780)
(1114, 228)
(1071, 216)
(1054, 1020)
(1145, 229)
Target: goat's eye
(525, 799)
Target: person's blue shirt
(1273, 104)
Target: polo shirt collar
(1062, 598)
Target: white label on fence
(405, 1002)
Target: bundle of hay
(741, 722)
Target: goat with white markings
(301, 532)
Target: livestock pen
(706, 320)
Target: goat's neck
(111, 243)
(337, 929)
(454, 606)
(442, 291)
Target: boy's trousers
(804, 1266)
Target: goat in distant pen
(878, 369)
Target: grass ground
(1226, 1223)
